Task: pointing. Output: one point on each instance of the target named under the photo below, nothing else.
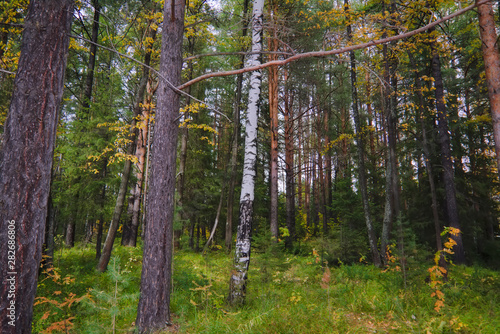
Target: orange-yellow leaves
(325, 279)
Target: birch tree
(237, 286)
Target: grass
(286, 294)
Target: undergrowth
(286, 294)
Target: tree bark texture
(26, 157)
(491, 57)
(237, 286)
(273, 127)
(235, 140)
(154, 304)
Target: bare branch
(236, 53)
(169, 84)
(332, 52)
(8, 72)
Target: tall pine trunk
(273, 127)
(491, 56)
(153, 312)
(237, 286)
(26, 157)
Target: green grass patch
(286, 294)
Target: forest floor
(286, 294)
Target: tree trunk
(491, 56)
(127, 168)
(69, 239)
(214, 228)
(140, 137)
(50, 231)
(156, 280)
(115, 220)
(289, 166)
(141, 154)
(372, 239)
(89, 80)
(235, 140)
(26, 157)
(392, 189)
(446, 157)
(237, 287)
(273, 127)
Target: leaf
(45, 315)
(438, 305)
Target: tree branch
(169, 84)
(332, 52)
(236, 53)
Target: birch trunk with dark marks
(27, 155)
(237, 286)
(235, 140)
(153, 311)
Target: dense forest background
(362, 156)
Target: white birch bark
(242, 247)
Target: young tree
(26, 157)
(154, 304)
(238, 278)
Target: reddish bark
(26, 157)
(491, 56)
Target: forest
(249, 166)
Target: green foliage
(116, 303)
